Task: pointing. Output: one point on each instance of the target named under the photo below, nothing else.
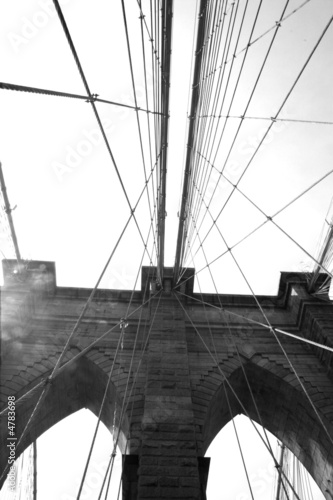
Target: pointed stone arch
(284, 410)
(81, 385)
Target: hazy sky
(70, 208)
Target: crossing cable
(137, 115)
(158, 68)
(194, 104)
(61, 368)
(133, 353)
(269, 326)
(225, 391)
(279, 343)
(156, 88)
(226, 47)
(203, 50)
(129, 374)
(157, 145)
(210, 54)
(57, 368)
(201, 145)
(110, 466)
(234, 343)
(119, 343)
(216, 98)
(237, 82)
(150, 35)
(86, 98)
(188, 98)
(284, 351)
(247, 105)
(273, 27)
(206, 95)
(100, 414)
(263, 223)
(216, 103)
(258, 208)
(84, 80)
(240, 71)
(253, 90)
(269, 118)
(258, 323)
(146, 95)
(270, 218)
(205, 80)
(75, 358)
(210, 20)
(133, 387)
(271, 124)
(225, 379)
(134, 382)
(238, 442)
(204, 13)
(132, 406)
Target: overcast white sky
(70, 208)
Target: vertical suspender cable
(34, 447)
(191, 131)
(280, 476)
(167, 6)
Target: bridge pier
(179, 401)
(168, 465)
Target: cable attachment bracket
(92, 98)
(123, 323)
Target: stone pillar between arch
(168, 465)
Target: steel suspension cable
(122, 413)
(137, 115)
(84, 80)
(241, 365)
(305, 191)
(274, 26)
(276, 115)
(194, 104)
(146, 96)
(280, 345)
(139, 365)
(86, 98)
(233, 342)
(235, 395)
(270, 219)
(269, 118)
(236, 86)
(244, 113)
(46, 380)
(223, 65)
(201, 142)
(258, 323)
(205, 91)
(120, 340)
(56, 369)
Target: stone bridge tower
(188, 364)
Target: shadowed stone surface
(176, 389)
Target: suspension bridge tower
(166, 366)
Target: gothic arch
(285, 412)
(81, 385)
